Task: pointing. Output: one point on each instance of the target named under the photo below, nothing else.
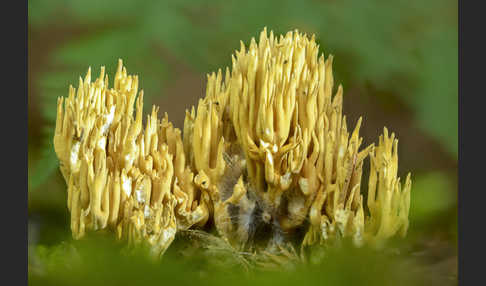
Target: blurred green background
(397, 60)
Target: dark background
(397, 61)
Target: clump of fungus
(121, 176)
(266, 154)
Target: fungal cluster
(266, 157)
(120, 175)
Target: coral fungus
(266, 154)
(132, 180)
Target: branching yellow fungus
(265, 153)
(122, 176)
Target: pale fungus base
(267, 151)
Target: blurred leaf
(430, 197)
(46, 165)
(437, 97)
(41, 12)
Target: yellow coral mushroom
(275, 114)
(388, 202)
(120, 175)
(264, 155)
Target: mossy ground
(101, 260)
